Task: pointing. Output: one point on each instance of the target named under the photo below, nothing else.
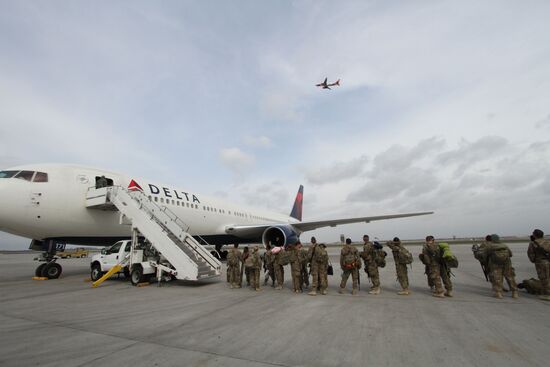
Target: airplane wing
(309, 226)
(256, 231)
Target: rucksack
(350, 260)
(284, 258)
(321, 255)
(249, 262)
(380, 258)
(232, 259)
(404, 256)
(448, 257)
(500, 257)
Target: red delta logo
(134, 186)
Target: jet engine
(282, 235)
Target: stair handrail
(142, 198)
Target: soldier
(402, 258)
(255, 270)
(244, 270)
(313, 267)
(278, 268)
(296, 268)
(234, 258)
(321, 264)
(480, 255)
(304, 276)
(268, 266)
(532, 286)
(539, 254)
(497, 256)
(371, 267)
(436, 268)
(101, 182)
(350, 262)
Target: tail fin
(298, 202)
(337, 82)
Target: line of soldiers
(494, 256)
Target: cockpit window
(7, 174)
(40, 177)
(25, 175)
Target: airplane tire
(52, 271)
(95, 272)
(136, 276)
(38, 271)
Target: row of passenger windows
(31, 176)
(205, 208)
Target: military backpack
(232, 259)
(404, 256)
(500, 257)
(249, 262)
(380, 258)
(284, 258)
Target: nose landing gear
(50, 268)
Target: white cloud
(236, 160)
(336, 171)
(258, 141)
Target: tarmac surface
(65, 322)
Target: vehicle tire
(95, 272)
(52, 271)
(38, 271)
(83, 255)
(136, 276)
(68, 256)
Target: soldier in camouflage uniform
(314, 266)
(497, 256)
(400, 267)
(296, 268)
(234, 258)
(433, 258)
(304, 276)
(350, 262)
(279, 269)
(268, 266)
(539, 253)
(255, 271)
(371, 267)
(320, 259)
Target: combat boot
(375, 291)
(341, 290)
(324, 292)
(278, 288)
(498, 295)
(515, 294)
(404, 292)
(449, 293)
(231, 286)
(439, 295)
(313, 292)
(354, 291)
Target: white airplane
(47, 203)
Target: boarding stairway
(167, 233)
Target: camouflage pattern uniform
(235, 270)
(536, 252)
(499, 271)
(296, 269)
(304, 273)
(349, 251)
(480, 255)
(532, 286)
(268, 267)
(400, 269)
(279, 270)
(314, 268)
(432, 256)
(371, 267)
(255, 271)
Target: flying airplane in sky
(324, 84)
(48, 204)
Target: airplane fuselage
(56, 209)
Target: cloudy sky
(443, 105)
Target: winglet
(298, 202)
